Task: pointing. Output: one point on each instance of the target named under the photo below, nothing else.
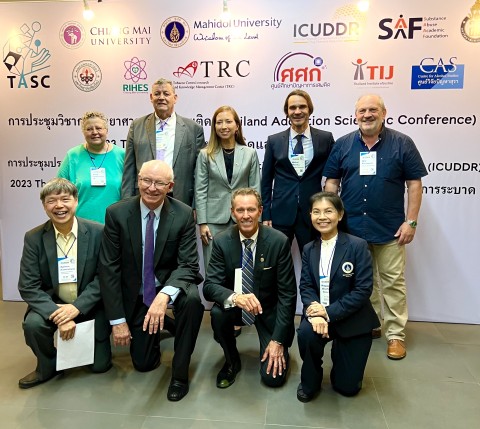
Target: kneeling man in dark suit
(59, 282)
(148, 260)
(258, 258)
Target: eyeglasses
(94, 129)
(149, 182)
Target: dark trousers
(300, 229)
(145, 348)
(349, 357)
(223, 322)
(39, 333)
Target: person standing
(371, 166)
(292, 170)
(166, 136)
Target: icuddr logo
(175, 32)
(24, 57)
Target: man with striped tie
(251, 280)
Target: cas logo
(403, 28)
(368, 74)
(26, 59)
(438, 73)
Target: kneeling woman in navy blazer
(335, 288)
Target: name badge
(67, 270)
(298, 162)
(98, 176)
(368, 163)
(325, 291)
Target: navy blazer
(274, 277)
(351, 284)
(280, 202)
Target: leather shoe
(396, 349)
(302, 396)
(237, 332)
(177, 390)
(376, 333)
(32, 380)
(226, 376)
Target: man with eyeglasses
(167, 136)
(149, 260)
(251, 280)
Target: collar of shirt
(168, 122)
(144, 210)
(254, 237)
(380, 137)
(306, 133)
(331, 242)
(73, 231)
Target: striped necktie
(247, 278)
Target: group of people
(127, 273)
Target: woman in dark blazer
(335, 288)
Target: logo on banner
(438, 73)
(470, 27)
(430, 27)
(372, 75)
(72, 35)
(299, 70)
(25, 58)
(135, 72)
(87, 76)
(120, 36)
(346, 25)
(175, 32)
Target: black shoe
(32, 380)
(237, 332)
(177, 390)
(302, 396)
(226, 376)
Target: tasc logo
(26, 59)
(438, 73)
(72, 35)
(87, 76)
(175, 32)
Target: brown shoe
(376, 333)
(396, 349)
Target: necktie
(298, 149)
(148, 269)
(160, 141)
(247, 278)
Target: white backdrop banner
(421, 57)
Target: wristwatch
(412, 223)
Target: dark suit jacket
(141, 147)
(350, 310)
(280, 201)
(121, 256)
(39, 268)
(274, 277)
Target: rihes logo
(438, 73)
(86, 76)
(403, 28)
(299, 70)
(470, 27)
(135, 71)
(371, 74)
(72, 35)
(26, 59)
(175, 32)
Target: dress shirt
(166, 137)
(67, 247)
(307, 145)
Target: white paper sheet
(79, 350)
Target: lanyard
(92, 159)
(61, 250)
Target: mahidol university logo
(470, 27)
(175, 32)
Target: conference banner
(421, 57)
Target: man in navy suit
(59, 282)
(292, 170)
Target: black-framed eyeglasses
(157, 183)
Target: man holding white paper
(251, 279)
(59, 282)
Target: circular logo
(470, 29)
(175, 32)
(72, 35)
(87, 75)
(347, 267)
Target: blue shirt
(375, 205)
